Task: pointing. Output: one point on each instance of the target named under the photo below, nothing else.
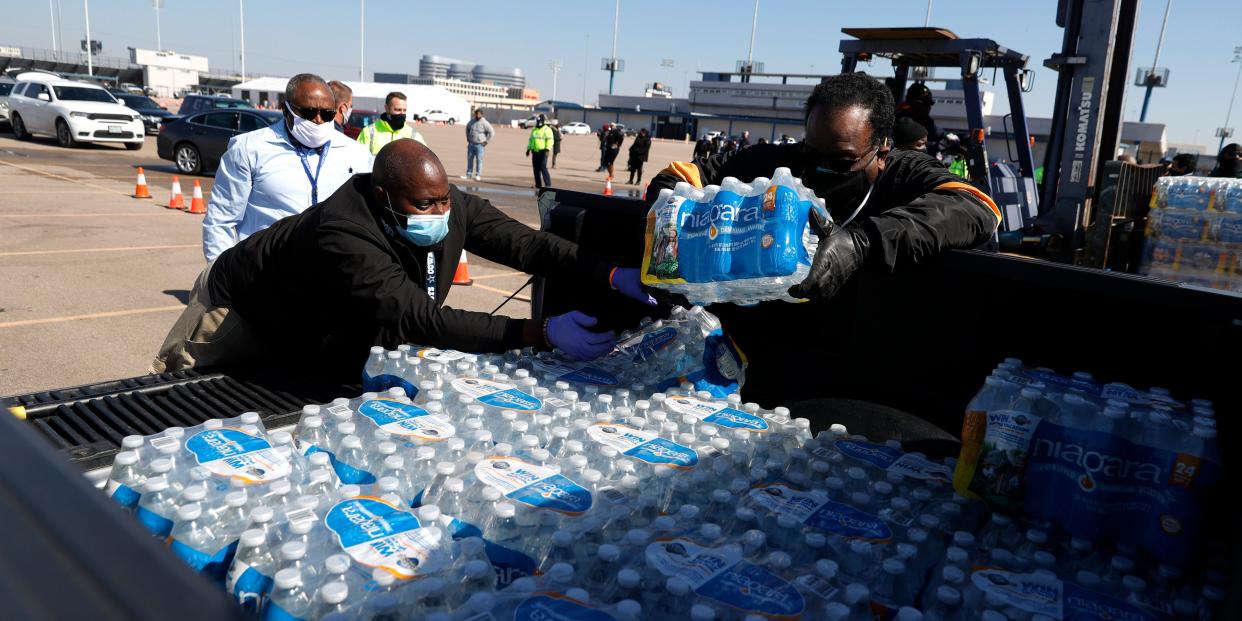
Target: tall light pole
(362, 38)
(556, 67)
(754, 24)
(1151, 74)
(241, 9)
(1237, 58)
(51, 9)
(157, 5)
(586, 55)
(927, 18)
(90, 47)
(612, 62)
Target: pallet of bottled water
(736, 242)
(506, 489)
(1194, 232)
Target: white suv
(438, 116)
(72, 112)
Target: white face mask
(308, 133)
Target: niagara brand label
(539, 487)
(408, 420)
(819, 512)
(556, 607)
(722, 575)
(378, 534)
(643, 445)
(234, 453)
(721, 415)
(894, 460)
(581, 375)
(1043, 595)
(497, 394)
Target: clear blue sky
(321, 36)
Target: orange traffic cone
(462, 275)
(607, 186)
(197, 206)
(140, 190)
(177, 201)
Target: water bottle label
(817, 586)
(643, 346)
(249, 586)
(533, 485)
(376, 533)
(274, 612)
(406, 420)
(895, 460)
(722, 575)
(440, 355)
(827, 515)
(660, 255)
(611, 495)
(1044, 595)
(509, 564)
(1066, 383)
(497, 394)
(579, 374)
(385, 381)
(348, 474)
(230, 452)
(214, 565)
(999, 473)
(123, 494)
(721, 415)
(1136, 397)
(555, 607)
(155, 523)
(643, 445)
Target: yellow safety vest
(540, 139)
(378, 134)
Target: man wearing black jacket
(891, 209)
(372, 265)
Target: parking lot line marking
(498, 275)
(24, 253)
(520, 298)
(149, 214)
(105, 315)
(44, 191)
(63, 178)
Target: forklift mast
(938, 47)
(1086, 120)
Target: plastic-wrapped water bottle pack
(507, 489)
(736, 242)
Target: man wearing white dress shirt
(279, 171)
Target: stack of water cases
(1194, 232)
(736, 242)
(518, 486)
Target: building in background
(421, 99)
(167, 73)
(484, 86)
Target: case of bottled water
(507, 487)
(736, 242)
(1194, 232)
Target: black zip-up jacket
(917, 210)
(323, 286)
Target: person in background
(762, 141)
(908, 134)
(718, 144)
(279, 171)
(702, 148)
(372, 265)
(1183, 164)
(1229, 162)
(602, 134)
(918, 106)
(478, 133)
(344, 97)
(390, 126)
(639, 150)
(556, 144)
(745, 140)
(537, 149)
(612, 144)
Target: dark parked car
(202, 103)
(152, 113)
(196, 142)
(358, 121)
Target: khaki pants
(206, 335)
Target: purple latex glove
(629, 282)
(571, 334)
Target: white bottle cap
(609, 553)
(192, 511)
(253, 538)
(428, 514)
(337, 564)
(505, 510)
(334, 592)
(293, 550)
(445, 468)
(288, 578)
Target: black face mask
(396, 121)
(844, 193)
(1229, 167)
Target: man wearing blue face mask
(372, 265)
(279, 171)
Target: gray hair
(299, 80)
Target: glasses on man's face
(313, 114)
(842, 166)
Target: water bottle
(290, 601)
(332, 597)
(374, 369)
(158, 506)
(125, 480)
(250, 577)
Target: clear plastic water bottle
(158, 506)
(125, 480)
(250, 577)
(289, 599)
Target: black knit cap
(918, 90)
(906, 131)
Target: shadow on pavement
(182, 295)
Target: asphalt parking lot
(91, 278)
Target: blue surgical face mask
(423, 231)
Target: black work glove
(841, 252)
